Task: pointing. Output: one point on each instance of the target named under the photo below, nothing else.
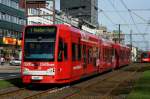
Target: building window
(0, 15)
(14, 4)
(1, 33)
(3, 2)
(10, 3)
(9, 18)
(3, 16)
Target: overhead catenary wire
(139, 17)
(130, 15)
(111, 3)
(126, 11)
(140, 9)
(147, 27)
(130, 11)
(133, 14)
(117, 11)
(105, 14)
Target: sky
(132, 15)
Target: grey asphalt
(9, 72)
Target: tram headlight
(51, 71)
(25, 71)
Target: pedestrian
(2, 60)
(12, 58)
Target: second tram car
(62, 54)
(145, 57)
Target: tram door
(63, 61)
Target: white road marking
(13, 75)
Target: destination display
(41, 29)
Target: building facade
(38, 15)
(12, 20)
(82, 9)
(46, 15)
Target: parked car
(15, 62)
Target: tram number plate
(37, 77)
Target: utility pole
(119, 33)
(131, 34)
(131, 38)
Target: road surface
(8, 72)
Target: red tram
(62, 54)
(145, 57)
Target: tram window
(73, 51)
(79, 52)
(103, 54)
(65, 51)
(61, 48)
(88, 56)
(61, 44)
(122, 55)
(76, 52)
(81, 46)
(113, 52)
(108, 54)
(84, 53)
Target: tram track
(87, 87)
(107, 85)
(7, 91)
(130, 76)
(23, 93)
(75, 89)
(103, 86)
(17, 94)
(38, 95)
(108, 94)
